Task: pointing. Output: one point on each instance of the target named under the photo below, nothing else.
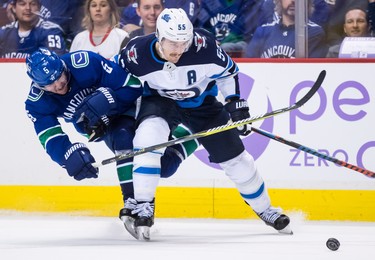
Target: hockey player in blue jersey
(29, 32)
(185, 69)
(95, 95)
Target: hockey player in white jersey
(182, 70)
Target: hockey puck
(333, 244)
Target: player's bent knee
(240, 169)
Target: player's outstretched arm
(78, 162)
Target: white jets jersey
(200, 71)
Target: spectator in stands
(131, 20)
(65, 13)
(149, 11)
(355, 25)
(232, 22)
(371, 15)
(29, 32)
(102, 34)
(277, 39)
(334, 30)
(6, 15)
(320, 14)
(191, 7)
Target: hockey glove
(239, 110)
(78, 162)
(97, 131)
(93, 107)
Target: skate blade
(143, 233)
(129, 226)
(287, 230)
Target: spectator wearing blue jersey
(355, 25)
(319, 15)
(65, 13)
(98, 98)
(232, 22)
(191, 7)
(29, 32)
(277, 39)
(129, 19)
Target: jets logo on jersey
(199, 41)
(131, 54)
(178, 94)
(166, 17)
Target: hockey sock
(242, 171)
(185, 148)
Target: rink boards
(337, 121)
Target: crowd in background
(244, 28)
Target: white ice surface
(54, 237)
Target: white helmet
(174, 25)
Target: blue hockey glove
(93, 107)
(78, 162)
(239, 110)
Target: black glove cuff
(236, 105)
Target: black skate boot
(144, 219)
(272, 217)
(127, 217)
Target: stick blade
(313, 89)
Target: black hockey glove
(78, 162)
(97, 131)
(93, 107)
(239, 110)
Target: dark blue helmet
(44, 67)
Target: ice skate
(273, 217)
(144, 220)
(127, 217)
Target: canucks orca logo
(166, 17)
(254, 143)
(80, 59)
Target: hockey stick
(222, 128)
(314, 152)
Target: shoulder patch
(200, 41)
(35, 94)
(80, 59)
(131, 54)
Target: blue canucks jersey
(88, 71)
(201, 71)
(274, 40)
(44, 34)
(230, 21)
(191, 7)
